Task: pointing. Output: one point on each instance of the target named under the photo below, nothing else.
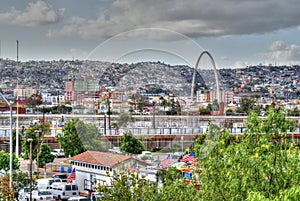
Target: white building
(53, 100)
(93, 167)
(23, 92)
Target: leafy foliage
(69, 140)
(123, 120)
(6, 193)
(131, 186)
(260, 162)
(78, 137)
(20, 180)
(249, 104)
(215, 105)
(130, 144)
(171, 174)
(175, 108)
(45, 155)
(5, 159)
(36, 133)
(90, 137)
(204, 111)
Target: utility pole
(30, 165)
(153, 118)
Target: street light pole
(108, 101)
(104, 122)
(181, 143)
(30, 165)
(10, 141)
(153, 117)
(38, 151)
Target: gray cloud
(279, 51)
(192, 18)
(35, 14)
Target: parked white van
(63, 190)
(78, 198)
(45, 183)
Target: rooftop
(102, 158)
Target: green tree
(36, 133)
(30, 134)
(215, 105)
(229, 112)
(69, 140)
(130, 144)
(198, 144)
(21, 180)
(131, 186)
(294, 112)
(33, 101)
(263, 160)
(5, 161)
(204, 111)
(170, 174)
(165, 103)
(249, 104)
(90, 137)
(175, 108)
(6, 193)
(262, 164)
(209, 107)
(45, 155)
(123, 120)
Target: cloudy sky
(237, 33)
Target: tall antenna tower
(17, 98)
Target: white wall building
(23, 92)
(93, 167)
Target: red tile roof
(102, 158)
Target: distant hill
(151, 77)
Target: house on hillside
(93, 167)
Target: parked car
(58, 153)
(63, 177)
(79, 198)
(42, 195)
(146, 155)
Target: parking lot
(51, 168)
